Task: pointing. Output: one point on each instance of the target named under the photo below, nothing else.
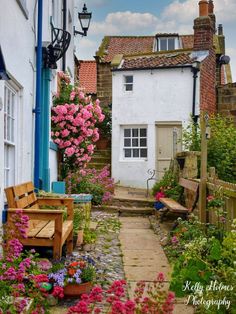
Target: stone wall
(226, 100)
(104, 83)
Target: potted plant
(75, 276)
(78, 225)
(104, 128)
(89, 239)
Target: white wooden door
(168, 143)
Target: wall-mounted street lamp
(84, 18)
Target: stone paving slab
(143, 257)
(146, 273)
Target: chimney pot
(203, 8)
(220, 29)
(211, 7)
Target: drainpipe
(195, 70)
(64, 10)
(37, 109)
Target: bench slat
(172, 205)
(21, 189)
(48, 231)
(188, 184)
(35, 226)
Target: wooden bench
(46, 226)
(174, 207)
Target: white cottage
(158, 83)
(18, 41)
(152, 101)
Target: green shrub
(169, 185)
(221, 145)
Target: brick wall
(104, 83)
(226, 100)
(204, 29)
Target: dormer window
(167, 43)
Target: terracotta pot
(102, 143)
(75, 290)
(80, 237)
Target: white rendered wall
(18, 37)
(158, 95)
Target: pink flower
(65, 133)
(69, 151)
(160, 277)
(174, 240)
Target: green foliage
(202, 259)
(90, 236)
(78, 219)
(105, 126)
(88, 274)
(191, 138)
(221, 145)
(169, 185)
(91, 188)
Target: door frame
(164, 124)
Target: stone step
(132, 202)
(96, 165)
(101, 159)
(102, 152)
(127, 211)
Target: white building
(152, 100)
(18, 41)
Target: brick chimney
(204, 29)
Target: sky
(148, 17)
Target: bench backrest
(191, 192)
(21, 196)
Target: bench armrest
(39, 214)
(68, 202)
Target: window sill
(23, 7)
(134, 160)
(53, 146)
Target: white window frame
(12, 135)
(176, 43)
(128, 83)
(132, 146)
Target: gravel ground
(106, 252)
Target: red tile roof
(129, 45)
(113, 45)
(87, 73)
(157, 61)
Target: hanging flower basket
(75, 290)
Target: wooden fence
(229, 192)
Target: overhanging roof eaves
(152, 68)
(3, 71)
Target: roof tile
(88, 76)
(157, 61)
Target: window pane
(135, 153)
(129, 87)
(171, 44)
(135, 132)
(127, 132)
(143, 132)
(127, 152)
(127, 142)
(143, 142)
(129, 79)
(163, 44)
(135, 142)
(143, 152)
